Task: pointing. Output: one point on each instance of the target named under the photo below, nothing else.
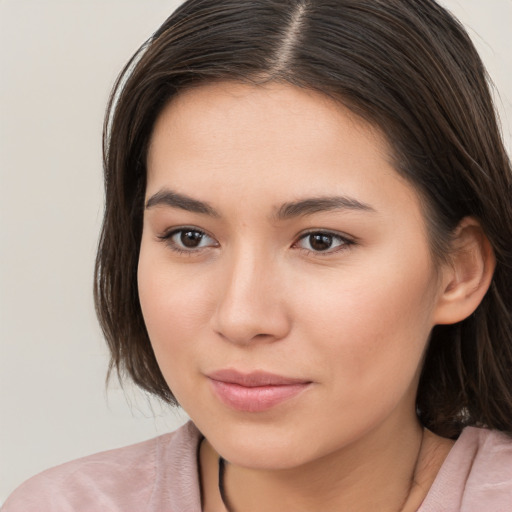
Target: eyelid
(347, 240)
(169, 233)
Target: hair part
(286, 48)
(407, 67)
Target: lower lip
(255, 399)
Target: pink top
(161, 475)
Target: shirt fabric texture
(162, 475)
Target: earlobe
(467, 276)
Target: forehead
(268, 141)
(276, 114)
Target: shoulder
(487, 454)
(125, 479)
(476, 475)
(490, 477)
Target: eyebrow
(173, 199)
(303, 207)
(309, 206)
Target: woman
(307, 245)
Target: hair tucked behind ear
(408, 67)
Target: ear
(467, 276)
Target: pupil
(320, 242)
(191, 239)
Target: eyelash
(344, 241)
(167, 238)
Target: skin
(353, 320)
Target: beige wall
(58, 60)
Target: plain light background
(58, 61)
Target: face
(285, 275)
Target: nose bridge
(250, 304)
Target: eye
(188, 240)
(321, 241)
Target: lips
(255, 391)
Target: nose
(251, 303)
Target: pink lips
(256, 391)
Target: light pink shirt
(161, 475)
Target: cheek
(372, 327)
(175, 312)
(176, 307)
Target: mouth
(255, 391)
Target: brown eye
(188, 240)
(191, 239)
(320, 242)
(323, 242)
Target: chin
(269, 458)
(262, 446)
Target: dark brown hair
(408, 67)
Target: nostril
(250, 326)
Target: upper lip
(254, 379)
